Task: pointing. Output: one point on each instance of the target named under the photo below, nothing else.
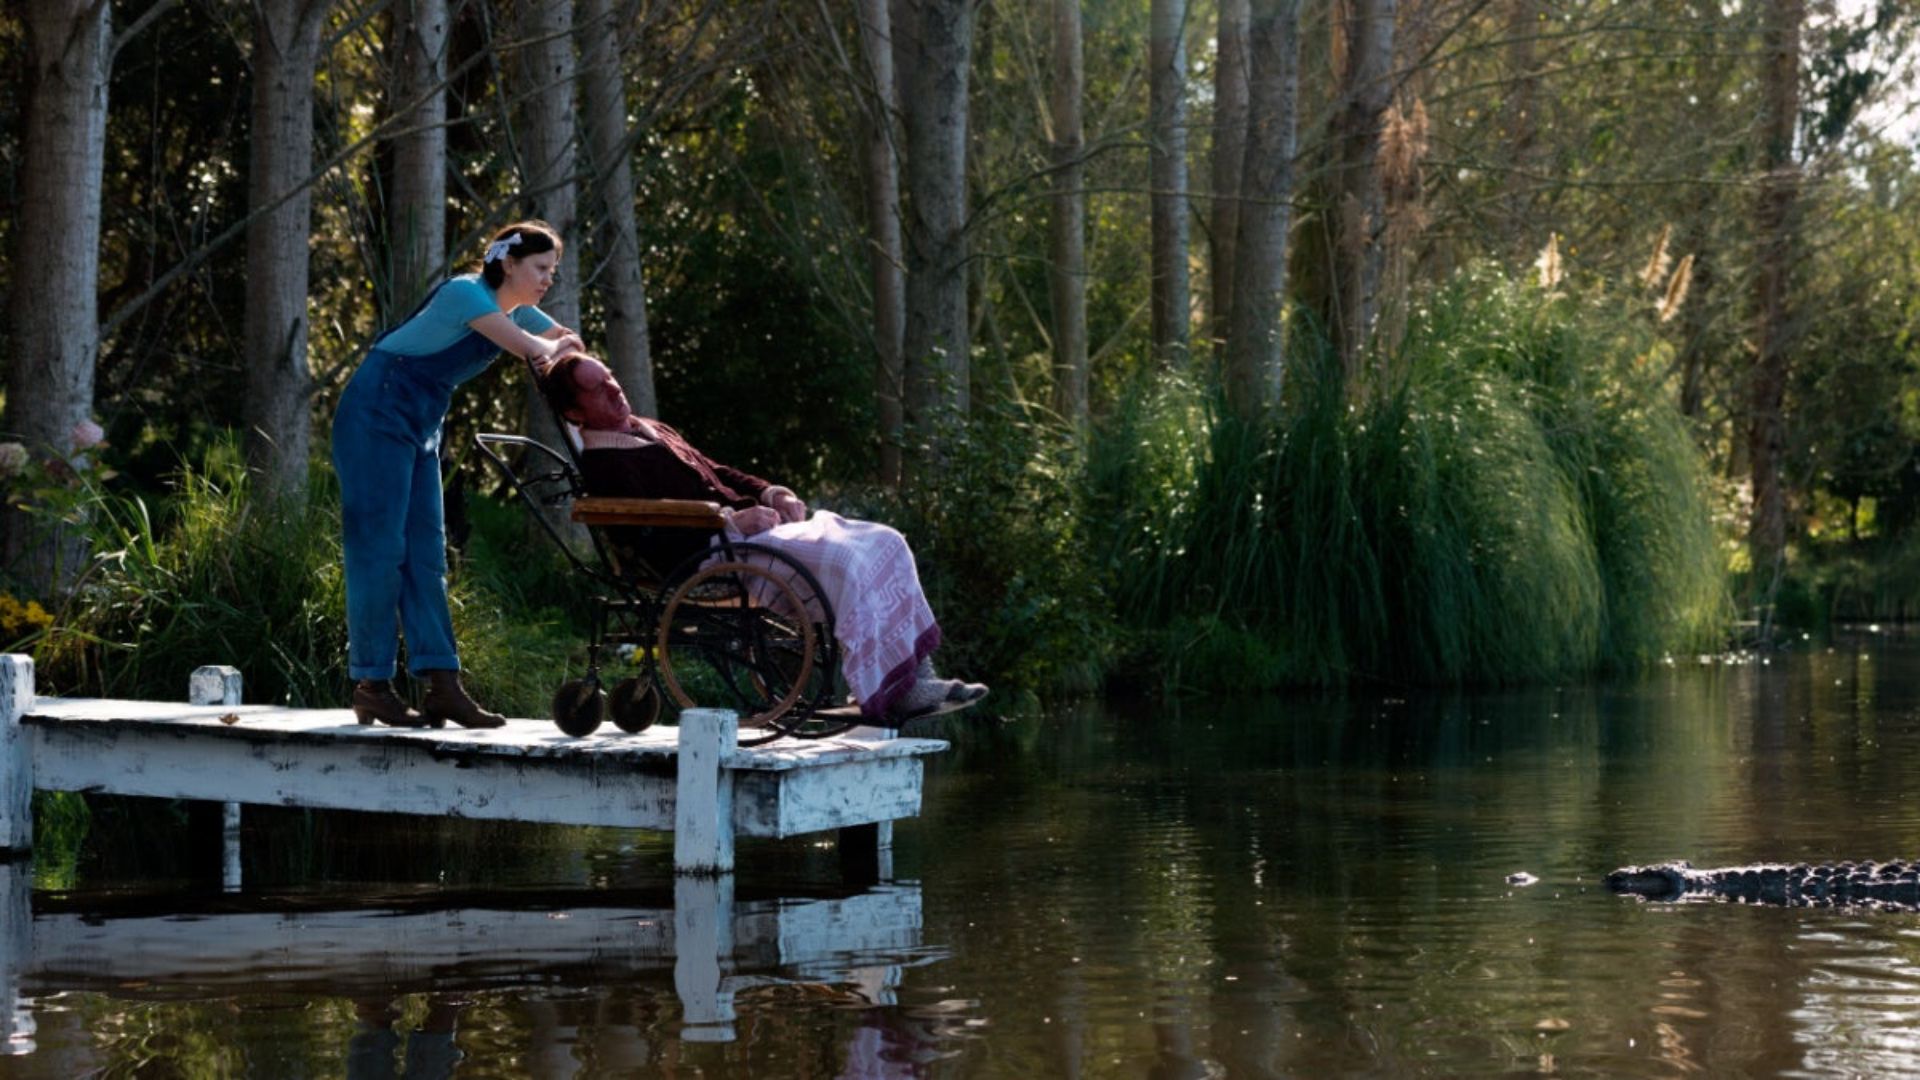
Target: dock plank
(521, 738)
(526, 771)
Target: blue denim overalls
(386, 449)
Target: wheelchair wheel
(753, 634)
(722, 643)
(634, 706)
(579, 705)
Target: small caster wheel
(579, 706)
(634, 706)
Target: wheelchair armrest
(671, 513)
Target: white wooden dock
(691, 780)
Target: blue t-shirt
(444, 320)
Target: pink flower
(86, 434)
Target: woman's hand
(753, 520)
(568, 342)
(785, 503)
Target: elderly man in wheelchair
(752, 545)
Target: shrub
(219, 575)
(1007, 566)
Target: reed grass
(1522, 505)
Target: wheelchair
(734, 624)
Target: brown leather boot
(447, 700)
(375, 701)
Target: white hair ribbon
(499, 248)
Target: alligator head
(1660, 881)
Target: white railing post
(218, 684)
(703, 797)
(16, 756)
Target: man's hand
(785, 503)
(755, 520)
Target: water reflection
(407, 986)
(1268, 887)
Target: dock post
(703, 795)
(218, 684)
(16, 756)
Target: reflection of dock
(691, 780)
(229, 945)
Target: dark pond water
(1252, 888)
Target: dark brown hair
(536, 237)
(557, 384)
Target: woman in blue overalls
(386, 449)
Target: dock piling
(219, 684)
(16, 757)
(703, 799)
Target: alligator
(1890, 885)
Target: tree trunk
(937, 37)
(886, 259)
(1067, 228)
(1356, 210)
(55, 326)
(546, 140)
(625, 328)
(286, 45)
(1167, 166)
(1229, 153)
(1255, 359)
(1522, 130)
(417, 214)
(1775, 227)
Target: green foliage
(216, 574)
(1004, 557)
(1524, 505)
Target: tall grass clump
(1640, 479)
(1521, 504)
(212, 572)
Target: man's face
(601, 404)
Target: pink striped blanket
(881, 617)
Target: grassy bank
(1518, 501)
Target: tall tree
(546, 139)
(1255, 357)
(1229, 153)
(1066, 236)
(1167, 167)
(885, 257)
(278, 409)
(55, 327)
(602, 30)
(1356, 209)
(417, 209)
(933, 46)
(1776, 230)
